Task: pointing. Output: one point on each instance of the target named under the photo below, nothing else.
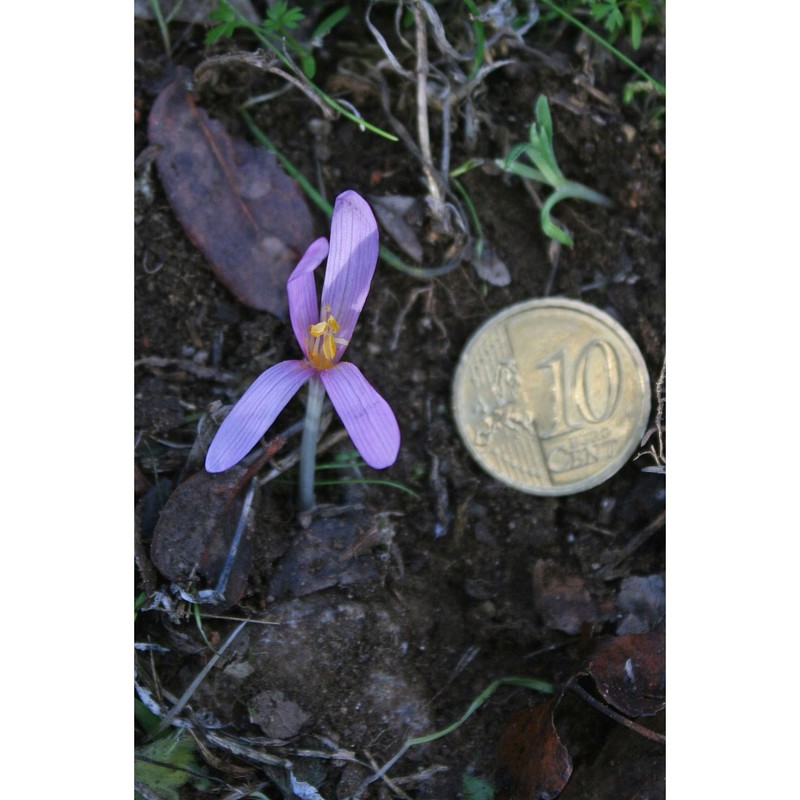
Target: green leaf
(540, 150)
(222, 13)
(228, 20)
(523, 170)
(144, 716)
(543, 117)
(308, 63)
(599, 11)
(292, 19)
(479, 34)
(276, 11)
(636, 31)
(282, 18)
(476, 789)
(215, 34)
(549, 228)
(327, 24)
(514, 153)
(615, 21)
(627, 93)
(177, 755)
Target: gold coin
(551, 396)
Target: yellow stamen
(328, 346)
(322, 344)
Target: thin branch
(187, 695)
(653, 736)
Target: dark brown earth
(387, 616)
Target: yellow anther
(322, 345)
(328, 346)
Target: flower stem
(308, 445)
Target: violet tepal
(323, 333)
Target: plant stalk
(423, 130)
(308, 444)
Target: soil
(384, 615)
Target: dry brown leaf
(402, 218)
(532, 763)
(247, 217)
(630, 672)
(491, 268)
(195, 530)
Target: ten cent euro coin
(551, 396)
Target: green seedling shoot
(539, 150)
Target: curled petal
(351, 261)
(366, 415)
(257, 409)
(302, 291)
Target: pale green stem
(308, 445)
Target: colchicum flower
(323, 333)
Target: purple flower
(323, 334)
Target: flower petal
(257, 409)
(302, 291)
(366, 415)
(351, 261)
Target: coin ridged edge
(635, 353)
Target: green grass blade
(610, 47)
(162, 25)
(327, 25)
(537, 685)
(369, 481)
(295, 173)
(480, 38)
(473, 213)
